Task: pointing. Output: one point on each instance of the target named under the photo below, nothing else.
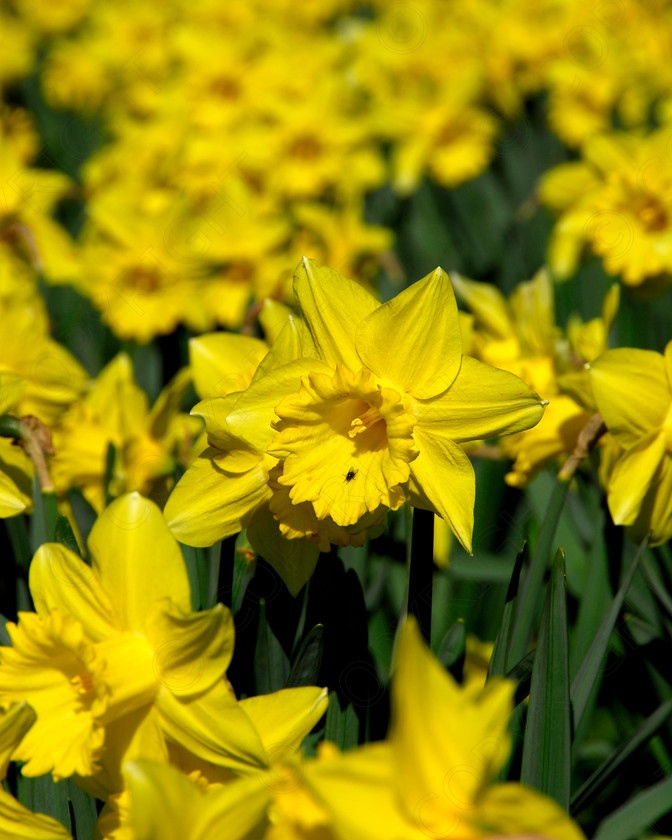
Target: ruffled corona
(348, 443)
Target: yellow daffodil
(16, 821)
(617, 202)
(117, 666)
(433, 776)
(115, 412)
(15, 466)
(633, 393)
(520, 335)
(355, 410)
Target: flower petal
(192, 650)
(512, 809)
(332, 306)
(137, 559)
(633, 476)
(214, 728)
(223, 362)
(14, 723)
(631, 391)
(446, 477)
(19, 823)
(210, 503)
(414, 340)
(61, 580)
(482, 402)
(284, 718)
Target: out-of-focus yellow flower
(53, 378)
(15, 466)
(371, 404)
(633, 393)
(434, 773)
(618, 202)
(520, 335)
(16, 821)
(115, 412)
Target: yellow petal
(655, 513)
(251, 417)
(446, 478)
(488, 305)
(137, 559)
(169, 805)
(512, 809)
(482, 402)
(273, 318)
(414, 340)
(357, 789)
(191, 650)
(294, 560)
(214, 728)
(18, 823)
(210, 503)
(12, 500)
(632, 477)
(631, 391)
(12, 388)
(61, 580)
(14, 723)
(168, 403)
(448, 741)
(223, 362)
(284, 718)
(332, 306)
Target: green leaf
(271, 665)
(590, 669)
(341, 724)
(65, 535)
(45, 514)
(530, 589)
(608, 769)
(638, 814)
(197, 563)
(546, 748)
(453, 645)
(521, 674)
(84, 813)
(501, 650)
(306, 667)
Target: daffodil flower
(433, 776)
(117, 666)
(633, 393)
(371, 411)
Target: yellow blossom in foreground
(356, 409)
(117, 666)
(433, 776)
(633, 393)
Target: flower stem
(420, 570)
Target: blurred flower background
(220, 227)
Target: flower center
(347, 443)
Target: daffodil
(633, 393)
(355, 410)
(147, 442)
(433, 775)
(520, 335)
(15, 466)
(117, 666)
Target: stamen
(366, 421)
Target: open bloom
(117, 666)
(433, 776)
(633, 393)
(357, 409)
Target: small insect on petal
(351, 474)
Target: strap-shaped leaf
(546, 748)
(306, 667)
(608, 769)
(590, 669)
(501, 651)
(638, 814)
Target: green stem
(421, 570)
